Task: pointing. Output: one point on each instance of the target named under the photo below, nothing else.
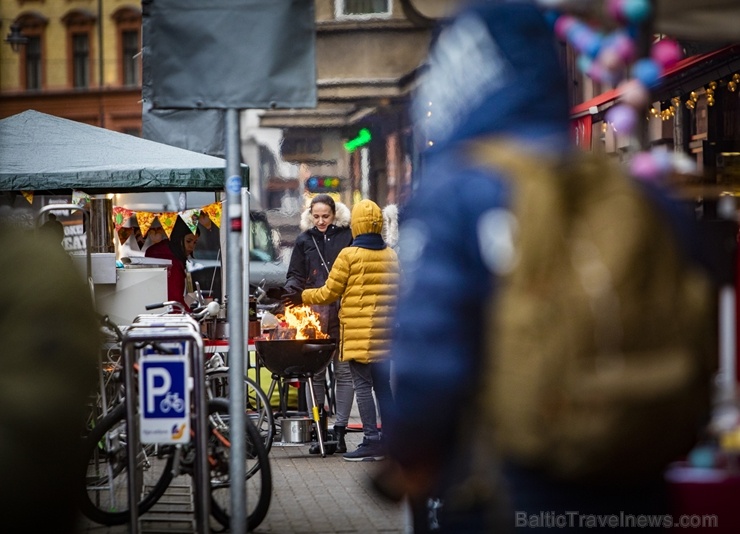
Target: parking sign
(164, 403)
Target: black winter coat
(306, 270)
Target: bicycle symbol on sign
(172, 401)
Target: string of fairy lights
(604, 35)
(668, 110)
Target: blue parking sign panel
(164, 402)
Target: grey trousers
(372, 378)
(345, 392)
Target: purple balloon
(623, 118)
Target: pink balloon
(625, 47)
(563, 25)
(644, 166)
(614, 9)
(666, 53)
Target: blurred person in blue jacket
(493, 72)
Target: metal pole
(129, 358)
(235, 314)
(202, 472)
(101, 75)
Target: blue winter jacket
(493, 72)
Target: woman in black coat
(326, 231)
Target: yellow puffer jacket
(366, 280)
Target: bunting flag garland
(145, 219)
(28, 195)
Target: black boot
(339, 433)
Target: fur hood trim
(390, 225)
(342, 218)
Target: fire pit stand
(296, 359)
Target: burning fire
(304, 320)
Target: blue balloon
(647, 71)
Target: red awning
(584, 107)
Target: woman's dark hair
(177, 239)
(324, 199)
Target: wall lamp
(15, 38)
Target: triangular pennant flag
(124, 233)
(214, 212)
(121, 217)
(168, 219)
(80, 198)
(145, 220)
(191, 218)
(28, 195)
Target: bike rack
(162, 329)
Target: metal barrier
(165, 331)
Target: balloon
(666, 53)
(647, 71)
(623, 118)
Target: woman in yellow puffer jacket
(365, 277)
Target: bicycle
(257, 403)
(110, 382)
(104, 496)
(258, 408)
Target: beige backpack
(602, 334)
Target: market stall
(42, 154)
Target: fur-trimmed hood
(390, 225)
(342, 218)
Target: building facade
(695, 111)
(368, 54)
(80, 60)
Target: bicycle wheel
(104, 489)
(257, 404)
(257, 468)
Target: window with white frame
(363, 8)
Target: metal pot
(296, 429)
(215, 329)
(295, 357)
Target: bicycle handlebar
(169, 303)
(210, 310)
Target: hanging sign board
(230, 54)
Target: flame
(305, 321)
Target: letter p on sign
(152, 389)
